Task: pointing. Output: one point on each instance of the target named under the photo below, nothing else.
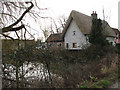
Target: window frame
(67, 45)
(74, 45)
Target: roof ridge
(74, 12)
(84, 22)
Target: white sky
(64, 7)
(58, 8)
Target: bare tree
(59, 24)
(10, 12)
(45, 31)
(14, 15)
(52, 26)
(62, 21)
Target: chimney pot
(94, 15)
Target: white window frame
(67, 45)
(74, 45)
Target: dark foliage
(117, 49)
(96, 36)
(64, 68)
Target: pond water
(31, 71)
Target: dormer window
(74, 33)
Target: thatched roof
(84, 22)
(116, 31)
(55, 37)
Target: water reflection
(29, 72)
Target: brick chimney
(94, 15)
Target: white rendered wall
(111, 39)
(78, 38)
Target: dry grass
(109, 64)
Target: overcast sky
(64, 7)
(58, 8)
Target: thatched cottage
(76, 31)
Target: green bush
(96, 86)
(117, 49)
(84, 86)
(105, 83)
(94, 52)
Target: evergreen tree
(96, 36)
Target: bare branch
(8, 36)
(6, 29)
(25, 33)
(17, 35)
(9, 15)
(10, 28)
(30, 34)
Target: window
(87, 39)
(59, 44)
(74, 45)
(74, 33)
(67, 45)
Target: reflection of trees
(23, 68)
